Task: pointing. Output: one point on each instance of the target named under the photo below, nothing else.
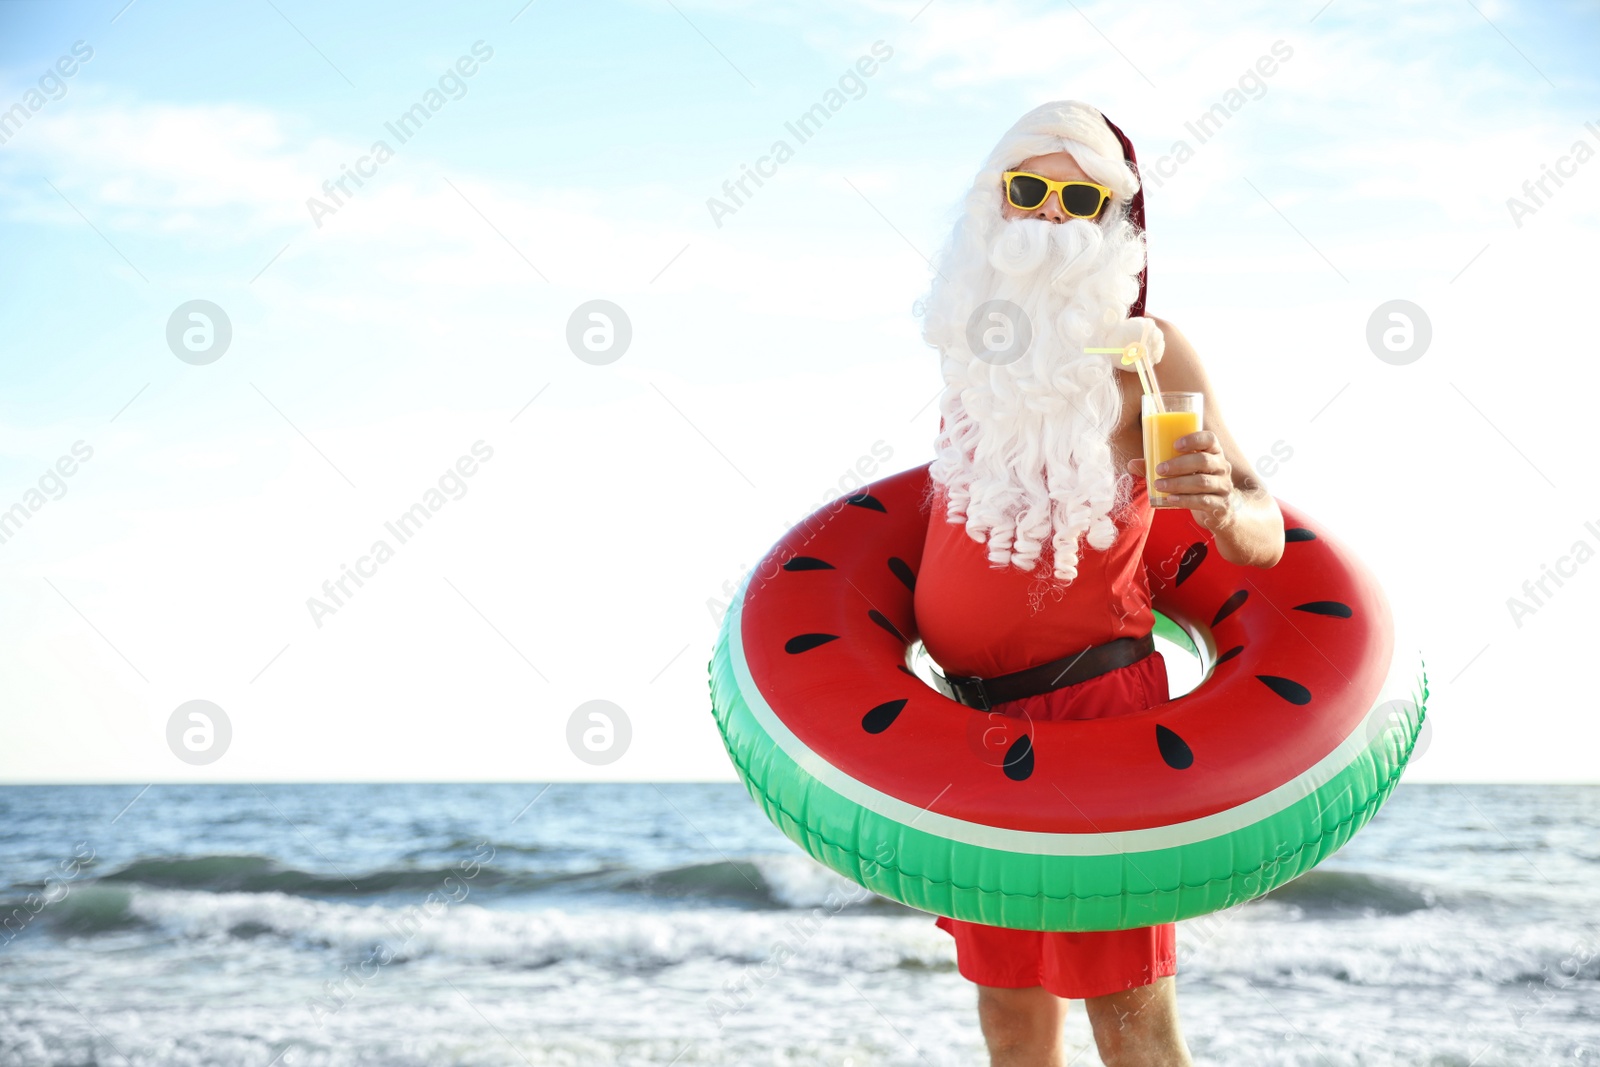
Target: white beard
(1025, 450)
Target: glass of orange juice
(1162, 429)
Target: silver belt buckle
(983, 696)
(948, 689)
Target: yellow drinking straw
(1138, 355)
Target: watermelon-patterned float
(1306, 713)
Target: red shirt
(976, 619)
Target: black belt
(984, 693)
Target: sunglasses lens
(1027, 191)
(1080, 200)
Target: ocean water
(399, 925)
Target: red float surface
(1293, 674)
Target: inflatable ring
(1306, 713)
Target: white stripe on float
(1401, 683)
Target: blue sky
(429, 312)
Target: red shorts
(1092, 963)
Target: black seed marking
(1226, 656)
(806, 642)
(1173, 749)
(1287, 688)
(807, 563)
(879, 618)
(1191, 559)
(1229, 606)
(902, 570)
(1326, 607)
(1019, 759)
(1298, 533)
(878, 719)
(867, 500)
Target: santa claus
(1039, 460)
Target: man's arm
(1242, 516)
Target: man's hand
(1200, 478)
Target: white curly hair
(1024, 449)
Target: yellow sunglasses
(1027, 191)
